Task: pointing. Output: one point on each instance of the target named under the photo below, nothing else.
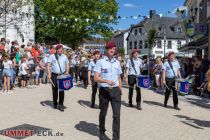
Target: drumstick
(167, 87)
(52, 82)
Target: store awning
(201, 43)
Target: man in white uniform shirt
(133, 68)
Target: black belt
(170, 78)
(108, 88)
(56, 74)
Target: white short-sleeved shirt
(63, 60)
(137, 64)
(169, 71)
(23, 67)
(108, 70)
(7, 64)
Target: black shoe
(102, 135)
(55, 107)
(130, 105)
(92, 105)
(61, 108)
(139, 107)
(165, 105)
(177, 108)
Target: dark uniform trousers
(77, 73)
(170, 82)
(94, 90)
(131, 82)
(114, 96)
(85, 75)
(55, 91)
(71, 71)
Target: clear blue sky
(135, 7)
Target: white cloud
(129, 5)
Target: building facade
(196, 27)
(120, 40)
(94, 44)
(169, 36)
(20, 25)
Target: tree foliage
(121, 51)
(151, 37)
(71, 21)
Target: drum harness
(169, 62)
(56, 57)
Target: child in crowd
(37, 72)
(23, 72)
(7, 73)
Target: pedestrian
(7, 72)
(42, 67)
(58, 64)
(107, 74)
(145, 66)
(133, 69)
(37, 72)
(91, 81)
(23, 71)
(157, 71)
(171, 72)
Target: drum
(65, 82)
(183, 86)
(143, 81)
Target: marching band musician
(76, 67)
(71, 63)
(92, 64)
(133, 68)
(84, 70)
(58, 64)
(171, 72)
(107, 74)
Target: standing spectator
(35, 51)
(7, 73)
(13, 72)
(12, 48)
(7, 46)
(42, 67)
(197, 72)
(37, 71)
(145, 67)
(52, 50)
(157, 71)
(23, 72)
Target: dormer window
(136, 31)
(172, 28)
(140, 31)
(178, 30)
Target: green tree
(71, 21)
(121, 51)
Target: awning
(201, 43)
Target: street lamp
(164, 36)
